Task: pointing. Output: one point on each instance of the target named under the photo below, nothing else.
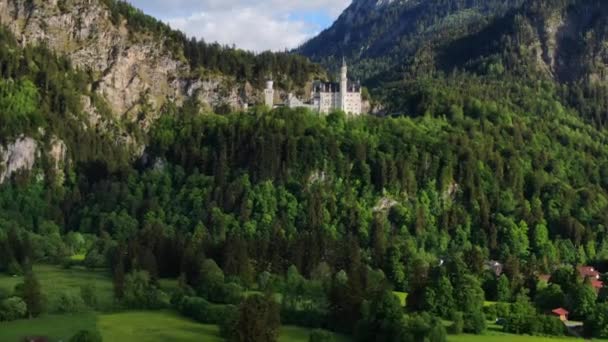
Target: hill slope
(563, 41)
(135, 59)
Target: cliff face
(129, 67)
(572, 41)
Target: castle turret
(343, 85)
(269, 94)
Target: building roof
(597, 284)
(333, 87)
(560, 311)
(544, 277)
(588, 272)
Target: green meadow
(153, 326)
(148, 326)
(55, 280)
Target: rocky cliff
(130, 68)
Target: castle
(325, 96)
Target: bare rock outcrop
(17, 156)
(131, 68)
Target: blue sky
(255, 25)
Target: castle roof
(334, 87)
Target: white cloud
(249, 24)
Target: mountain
(377, 35)
(561, 41)
(116, 71)
(135, 58)
(125, 142)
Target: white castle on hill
(325, 96)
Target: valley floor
(148, 326)
(153, 326)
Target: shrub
(94, 259)
(457, 326)
(87, 336)
(231, 293)
(12, 308)
(88, 293)
(4, 293)
(228, 326)
(203, 311)
(259, 320)
(474, 322)
(140, 293)
(70, 303)
(421, 327)
(14, 269)
(321, 336)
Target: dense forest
(331, 214)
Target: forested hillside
(559, 41)
(495, 156)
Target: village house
(561, 313)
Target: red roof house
(597, 284)
(588, 272)
(544, 277)
(561, 313)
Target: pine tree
(32, 295)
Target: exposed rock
(17, 156)
(57, 155)
(317, 177)
(131, 67)
(451, 191)
(384, 204)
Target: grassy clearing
(56, 280)
(144, 326)
(57, 328)
(299, 334)
(507, 338)
(154, 326)
(495, 334)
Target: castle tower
(343, 84)
(269, 94)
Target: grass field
(57, 328)
(495, 334)
(56, 280)
(149, 326)
(507, 338)
(153, 327)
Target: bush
(140, 293)
(421, 327)
(321, 336)
(228, 326)
(457, 326)
(88, 293)
(203, 311)
(474, 322)
(87, 336)
(4, 293)
(259, 320)
(231, 293)
(94, 259)
(70, 303)
(14, 269)
(550, 325)
(12, 308)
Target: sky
(255, 25)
